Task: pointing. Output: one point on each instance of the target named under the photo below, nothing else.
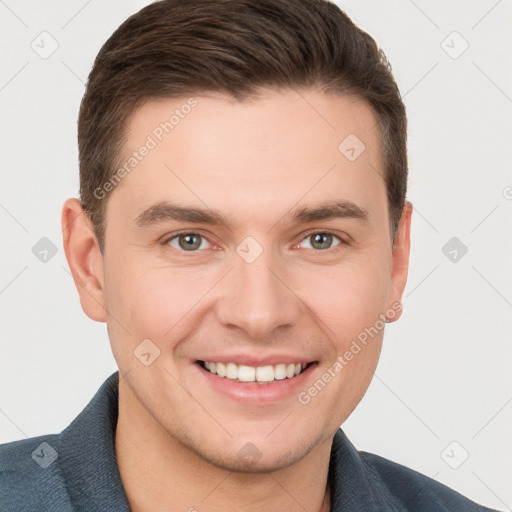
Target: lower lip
(252, 391)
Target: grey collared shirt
(76, 470)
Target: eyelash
(168, 239)
(325, 232)
(342, 241)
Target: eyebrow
(164, 211)
(167, 211)
(335, 210)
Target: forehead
(281, 149)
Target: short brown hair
(173, 49)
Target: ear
(84, 259)
(400, 260)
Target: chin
(249, 458)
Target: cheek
(347, 298)
(160, 301)
(359, 373)
(155, 303)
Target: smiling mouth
(256, 374)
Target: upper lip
(246, 360)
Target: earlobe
(84, 258)
(400, 261)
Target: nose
(257, 299)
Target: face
(252, 253)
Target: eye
(188, 242)
(321, 241)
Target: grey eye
(188, 242)
(320, 241)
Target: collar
(89, 467)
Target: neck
(160, 473)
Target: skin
(256, 163)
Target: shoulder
(75, 470)
(362, 481)
(30, 478)
(415, 491)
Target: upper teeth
(255, 373)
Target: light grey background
(445, 372)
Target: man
(243, 231)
